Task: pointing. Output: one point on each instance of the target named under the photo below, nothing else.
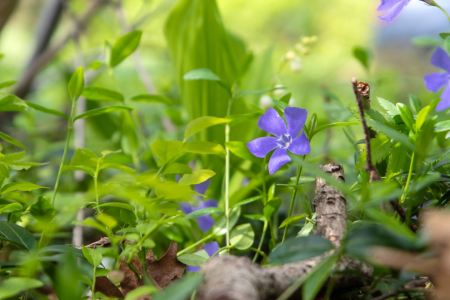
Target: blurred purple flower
(435, 81)
(286, 138)
(210, 248)
(204, 222)
(394, 7)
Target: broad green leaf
(6, 84)
(363, 56)
(242, 237)
(390, 108)
(181, 289)
(391, 223)
(107, 220)
(76, 84)
(238, 119)
(177, 168)
(47, 110)
(202, 147)
(271, 208)
(204, 212)
(444, 35)
(117, 204)
(201, 74)
(332, 125)
(42, 210)
(240, 150)
(84, 157)
(10, 140)
(89, 222)
(422, 117)
(220, 226)
(12, 103)
(202, 123)
(299, 248)
(196, 177)
(407, 116)
(149, 98)
(140, 291)
(95, 65)
(100, 111)
(392, 133)
(85, 169)
(317, 278)
(256, 217)
(192, 260)
(20, 186)
(10, 207)
(380, 148)
(101, 94)
(173, 191)
(260, 92)
(124, 47)
(166, 150)
(292, 219)
(17, 235)
(12, 286)
(442, 126)
(122, 168)
(11, 158)
(93, 256)
(286, 98)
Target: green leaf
(415, 103)
(240, 150)
(47, 110)
(149, 98)
(201, 74)
(95, 65)
(238, 119)
(76, 84)
(444, 35)
(139, 292)
(204, 212)
(12, 286)
(11, 158)
(407, 116)
(17, 235)
(10, 140)
(101, 94)
(201, 147)
(422, 117)
(312, 125)
(242, 237)
(192, 260)
(12, 103)
(332, 125)
(177, 168)
(292, 219)
(299, 248)
(166, 150)
(196, 177)
(122, 168)
(124, 47)
(6, 84)
(363, 56)
(390, 108)
(181, 289)
(380, 147)
(20, 186)
(107, 220)
(93, 256)
(202, 123)
(100, 111)
(281, 105)
(172, 191)
(247, 201)
(442, 126)
(317, 278)
(85, 169)
(391, 223)
(447, 44)
(10, 207)
(220, 226)
(84, 157)
(42, 210)
(392, 133)
(271, 208)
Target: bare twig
(446, 184)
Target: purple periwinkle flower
(435, 81)
(394, 7)
(286, 138)
(204, 222)
(210, 248)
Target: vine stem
(195, 244)
(261, 241)
(443, 10)
(96, 187)
(294, 194)
(408, 180)
(227, 183)
(66, 147)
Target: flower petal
(186, 207)
(445, 102)
(435, 81)
(205, 223)
(207, 203)
(278, 159)
(296, 118)
(272, 123)
(193, 269)
(387, 4)
(211, 248)
(261, 146)
(390, 16)
(441, 59)
(300, 145)
(201, 188)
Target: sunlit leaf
(196, 177)
(124, 47)
(100, 111)
(101, 94)
(149, 98)
(76, 84)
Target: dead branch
(235, 278)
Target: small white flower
(265, 101)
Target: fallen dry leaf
(167, 268)
(107, 288)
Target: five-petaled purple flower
(286, 138)
(204, 222)
(394, 7)
(210, 248)
(435, 81)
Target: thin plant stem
(261, 241)
(258, 252)
(66, 147)
(227, 183)
(294, 194)
(408, 180)
(443, 10)
(195, 244)
(96, 190)
(220, 250)
(263, 169)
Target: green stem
(41, 240)
(227, 185)
(443, 10)
(408, 180)
(93, 283)
(220, 250)
(96, 193)
(195, 244)
(66, 147)
(258, 251)
(261, 241)
(294, 194)
(263, 169)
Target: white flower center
(284, 141)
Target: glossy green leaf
(7, 208)
(17, 235)
(240, 150)
(93, 256)
(202, 123)
(242, 237)
(204, 212)
(20, 186)
(76, 84)
(292, 219)
(107, 220)
(319, 129)
(166, 150)
(12, 286)
(177, 168)
(12, 103)
(152, 99)
(196, 177)
(415, 104)
(192, 260)
(201, 74)
(84, 169)
(407, 116)
(124, 47)
(84, 157)
(392, 133)
(101, 94)
(47, 110)
(422, 117)
(317, 278)
(100, 111)
(201, 147)
(139, 292)
(122, 168)
(10, 140)
(42, 210)
(7, 84)
(247, 201)
(363, 56)
(174, 191)
(391, 109)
